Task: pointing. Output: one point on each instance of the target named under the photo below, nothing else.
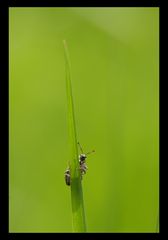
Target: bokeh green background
(115, 77)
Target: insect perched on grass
(82, 166)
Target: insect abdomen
(67, 177)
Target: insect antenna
(90, 152)
(80, 147)
(68, 164)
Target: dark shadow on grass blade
(78, 215)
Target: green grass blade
(78, 215)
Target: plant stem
(78, 214)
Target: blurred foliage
(115, 78)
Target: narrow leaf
(78, 215)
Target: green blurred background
(115, 78)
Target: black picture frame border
(4, 95)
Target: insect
(67, 177)
(82, 166)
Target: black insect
(67, 177)
(82, 166)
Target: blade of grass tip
(78, 214)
